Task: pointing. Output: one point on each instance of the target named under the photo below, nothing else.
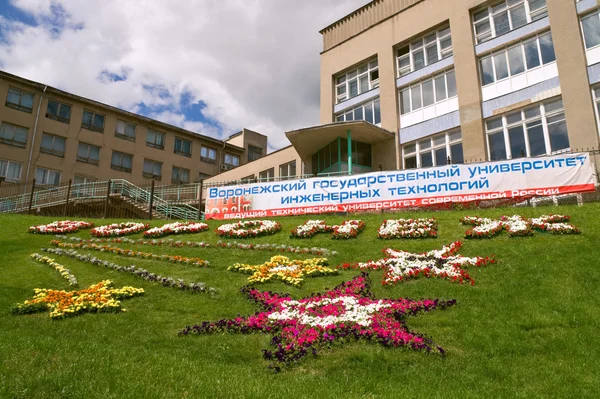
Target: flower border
(517, 226)
(248, 229)
(176, 228)
(61, 227)
(64, 272)
(118, 229)
(407, 228)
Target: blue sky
(212, 67)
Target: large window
(180, 175)
(52, 144)
(152, 169)
(428, 92)
(505, 16)
(58, 111)
(231, 161)
(514, 60)
(183, 147)
(267, 175)
(155, 139)
(125, 130)
(47, 176)
(368, 111)
(287, 170)
(591, 30)
(19, 99)
(88, 153)
(13, 135)
(533, 131)
(334, 157)
(437, 150)
(10, 170)
(208, 155)
(254, 153)
(357, 81)
(93, 121)
(121, 161)
(424, 51)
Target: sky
(210, 66)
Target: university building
(421, 83)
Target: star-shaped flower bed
(100, 297)
(444, 263)
(287, 270)
(348, 312)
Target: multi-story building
(54, 136)
(420, 83)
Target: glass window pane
(537, 146)
(47, 141)
(424, 144)
(353, 86)
(147, 166)
(432, 54)
(439, 140)
(99, 121)
(516, 61)
(415, 93)
(368, 113)
(532, 112)
(59, 144)
(87, 118)
(116, 158)
(501, 23)
(14, 96)
(410, 148)
(456, 153)
(126, 161)
(377, 112)
(349, 116)
(513, 118)
(518, 16)
(410, 162)
(82, 151)
(493, 124)
(358, 114)
(364, 83)
(428, 93)
(418, 59)
(52, 107)
(553, 106)
(94, 152)
(516, 136)
(531, 54)
(547, 48)
(454, 136)
(559, 139)
(501, 66)
(20, 134)
(483, 30)
(64, 111)
(591, 30)
(497, 147)
(440, 88)
(426, 159)
(441, 157)
(405, 101)
(27, 100)
(451, 82)
(487, 71)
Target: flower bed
(348, 229)
(408, 228)
(132, 269)
(64, 272)
(118, 229)
(310, 229)
(248, 229)
(176, 228)
(517, 226)
(219, 244)
(130, 253)
(348, 312)
(444, 263)
(60, 227)
(100, 297)
(288, 271)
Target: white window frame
(421, 43)
(230, 160)
(267, 175)
(542, 118)
(51, 150)
(451, 137)
(366, 70)
(5, 165)
(342, 116)
(487, 35)
(205, 154)
(46, 173)
(419, 84)
(288, 170)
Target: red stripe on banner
(405, 203)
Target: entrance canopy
(309, 140)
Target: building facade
(54, 136)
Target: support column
(349, 138)
(572, 68)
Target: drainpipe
(222, 158)
(37, 117)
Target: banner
(514, 178)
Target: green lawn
(528, 328)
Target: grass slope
(528, 328)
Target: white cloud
(253, 63)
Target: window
(248, 179)
(19, 99)
(58, 111)
(437, 150)
(517, 59)
(183, 147)
(52, 144)
(208, 155)
(93, 121)
(155, 139)
(254, 153)
(369, 111)
(83, 179)
(428, 92)
(591, 30)
(424, 51)
(232, 160)
(47, 176)
(180, 175)
(152, 169)
(88, 153)
(287, 170)
(508, 15)
(267, 175)
(533, 131)
(125, 130)
(13, 135)
(10, 170)
(357, 81)
(121, 161)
